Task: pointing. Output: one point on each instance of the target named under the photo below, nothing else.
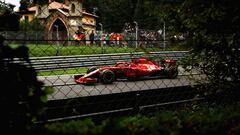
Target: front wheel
(107, 77)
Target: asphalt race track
(65, 87)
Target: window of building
(73, 8)
(26, 18)
(39, 10)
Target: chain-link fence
(65, 50)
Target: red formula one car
(136, 69)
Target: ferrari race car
(136, 69)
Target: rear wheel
(107, 76)
(172, 73)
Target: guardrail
(59, 62)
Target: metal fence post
(136, 108)
(136, 30)
(164, 36)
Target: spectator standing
(97, 38)
(79, 36)
(107, 38)
(103, 39)
(91, 37)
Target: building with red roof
(61, 18)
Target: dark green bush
(196, 119)
(213, 34)
(23, 97)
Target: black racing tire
(91, 69)
(172, 73)
(107, 76)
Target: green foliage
(40, 2)
(213, 28)
(9, 21)
(195, 119)
(61, 1)
(162, 123)
(50, 50)
(34, 25)
(24, 5)
(150, 14)
(23, 97)
(74, 127)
